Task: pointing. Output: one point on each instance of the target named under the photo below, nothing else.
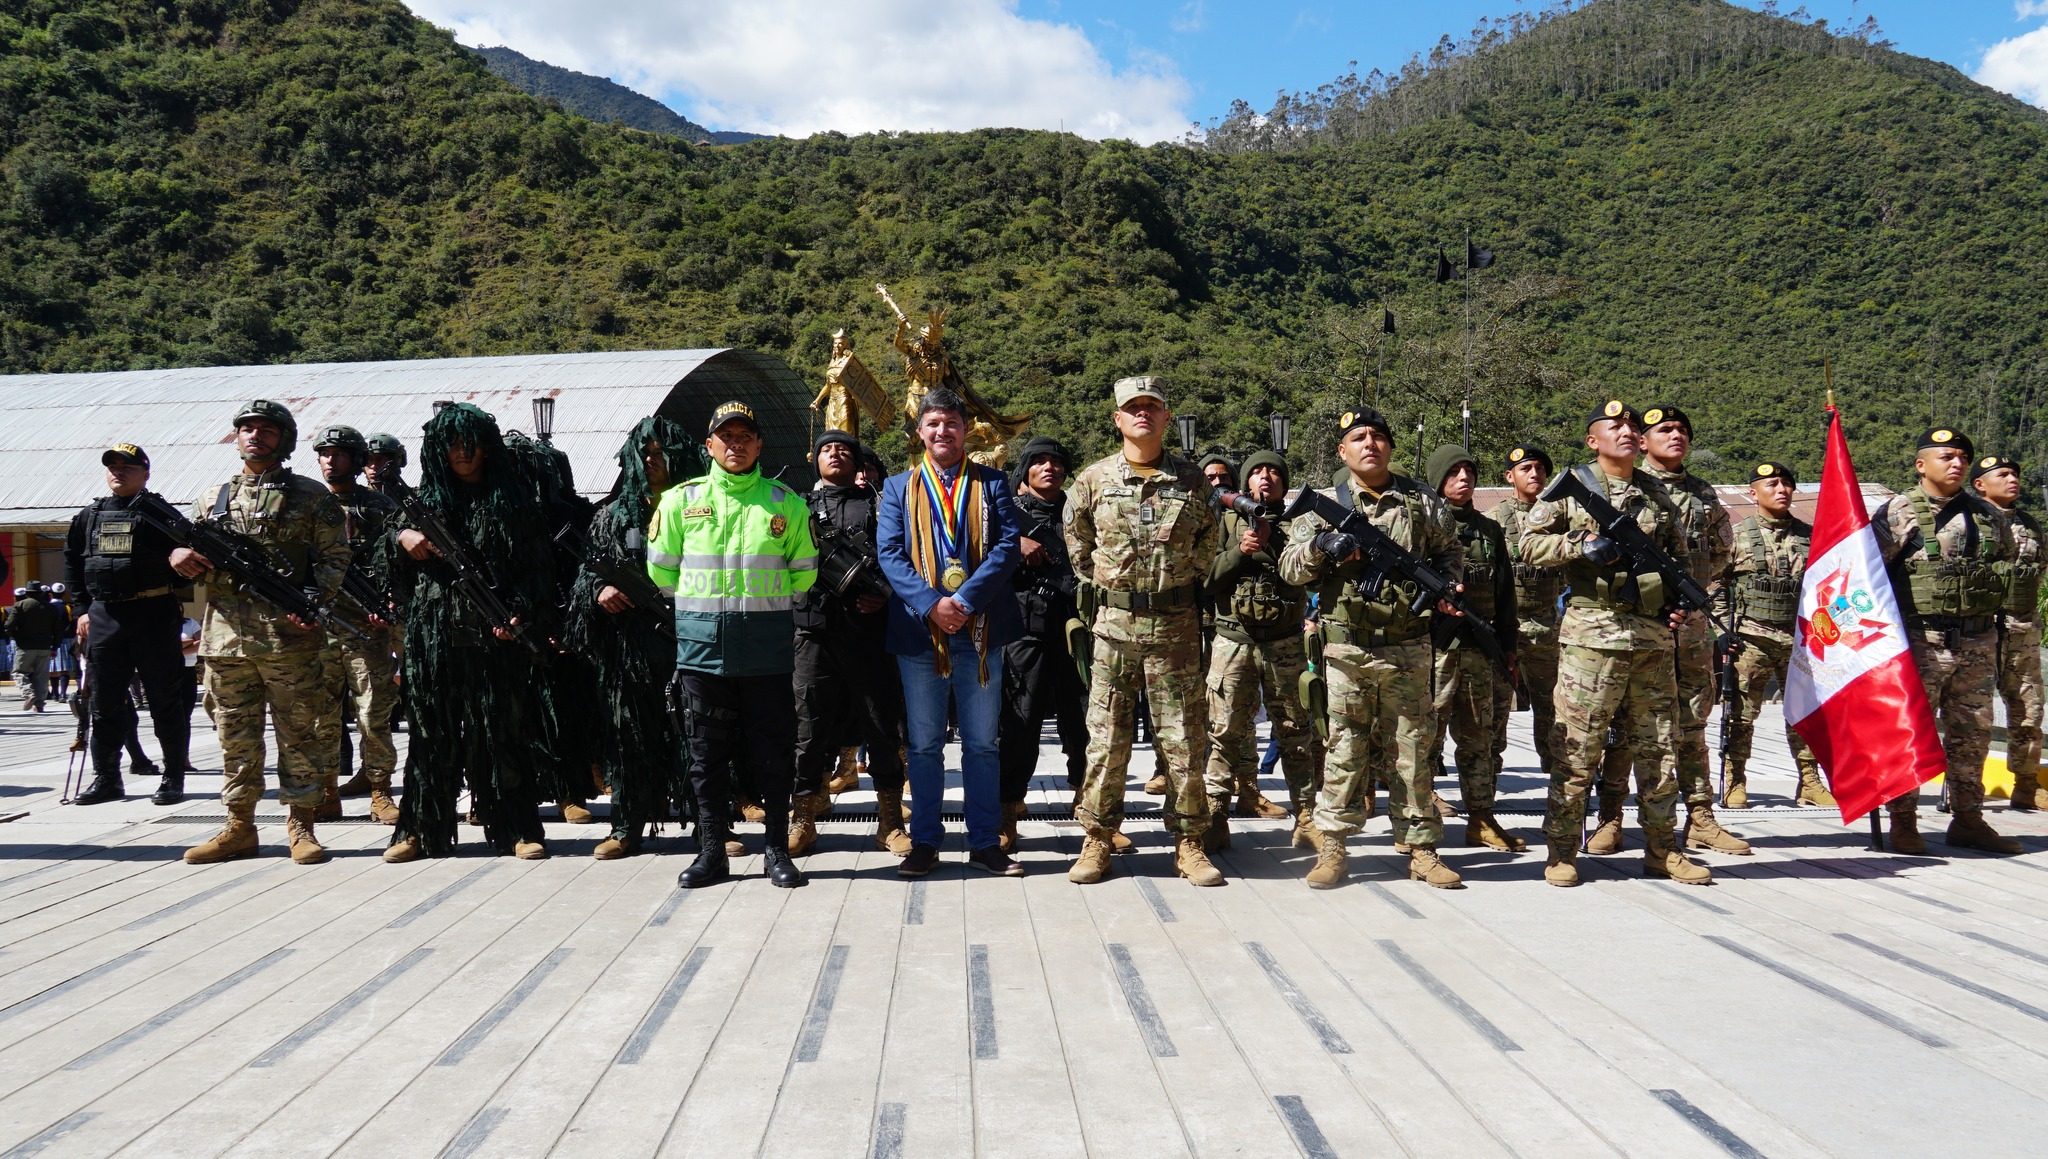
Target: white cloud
(802, 66)
(2019, 66)
(2025, 9)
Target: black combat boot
(105, 787)
(711, 866)
(169, 791)
(782, 872)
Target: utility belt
(147, 594)
(1256, 633)
(1165, 600)
(1964, 626)
(1339, 633)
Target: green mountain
(600, 99)
(1689, 202)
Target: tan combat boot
(1252, 803)
(1703, 832)
(2040, 794)
(1443, 808)
(383, 810)
(1661, 858)
(306, 849)
(750, 811)
(1905, 834)
(1013, 812)
(530, 851)
(1329, 872)
(1969, 831)
(803, 824)
(614, 847)
(2025, 787)
(1812, 791)
(1192, 863)
(400, 852)
(1562, 866)
(1156, 787)
(1305, 828)
(329, 808)
(576, 814)
(1216, 837)
(1608, 839)
(1093, 864)
(1482, 828)
(1736, 796)
(1425, 865)
(890, 836)
(846, 776)
(238, 839)
(356, 786)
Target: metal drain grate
(261, 819)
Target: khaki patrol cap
(1140, 386)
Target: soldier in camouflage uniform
(1142, 537)
(1466, 681)
(360, 670)
(1376, 651)
(1763, 583)
(1536, 592)
(257, 658)
(1949, 554)
(1666, 439)
(1258, 655)
(1615, 651)
(2019, 665)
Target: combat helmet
(383, 444)
(348, 439)
(275, 412)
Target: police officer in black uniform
(847, 688)
(1040, 678)
(120, 568)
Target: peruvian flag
(1853, 691)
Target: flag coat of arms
(1853, 692)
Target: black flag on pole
(1386, 321)
(1476, 258)
(1443, 267)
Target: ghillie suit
(639, 749)
(475, 700)
(568, 687)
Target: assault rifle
(647, 599)
(469, 576)
(253, 567)
(1730, 691)
(1634, 548)
(1384, 559)
(357, 585)
(1057, 576)
(846, 561)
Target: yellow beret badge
(1653, 418)
(1942, 436)
(1613, 408)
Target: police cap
(733, 412)
(126, 453)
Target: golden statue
(927, 364)
(850, 391)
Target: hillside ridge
(600, 98)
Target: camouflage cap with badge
(1140, 386)
(1939, 437)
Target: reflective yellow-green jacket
(736, 551)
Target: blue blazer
(986, 592)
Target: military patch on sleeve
(778, 525)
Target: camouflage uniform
(255, 657)
(2019, 669)
(1536, 592)
(1143, 540)
(1615, 655)
(1376, 656)
(1468, 688)
(1258, 655)
(1708, 544)
(1763, 582)
(360, 672)
(1951, 619)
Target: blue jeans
(978, 707)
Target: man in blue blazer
(947, 537)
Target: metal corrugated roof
(56, 425)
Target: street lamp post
(1278, 424)
(1187, 434)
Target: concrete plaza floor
(1819, 999)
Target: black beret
(1520, 453)
(1613, 408)
(1664, 412)
(1773, 470)
(1990, 463)
(1946, 437)
(1364, 416)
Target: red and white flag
(1853, 691)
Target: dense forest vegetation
(1704, 216)
(600, 99)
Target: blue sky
(1142, 69)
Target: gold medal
(953, 576)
